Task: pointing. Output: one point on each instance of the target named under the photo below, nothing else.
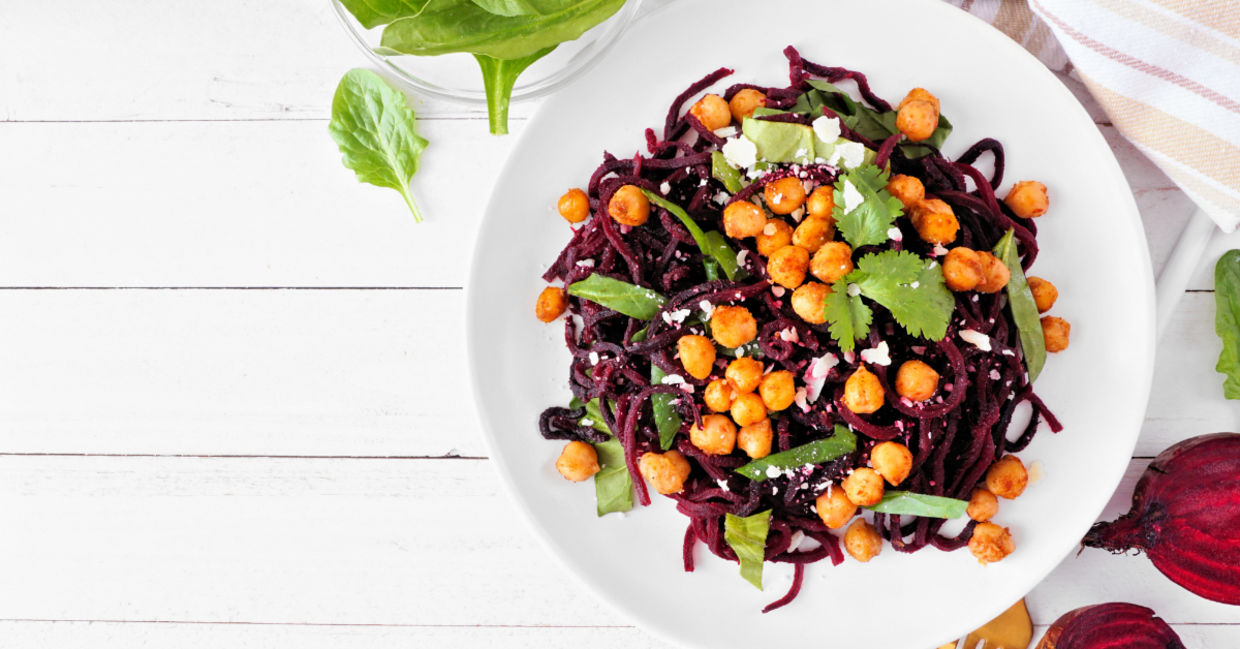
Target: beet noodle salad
(792, 308)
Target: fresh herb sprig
(910, 287)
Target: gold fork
(1011, 630)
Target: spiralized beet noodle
(954, 438)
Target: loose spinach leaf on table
(907, 503)
(631, 300)
(747, 538)
(373, 125)
(1024, 308)
(667, 421)
(841, 443)
(1227, 320)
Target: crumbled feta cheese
(852, 197)
(895, 234)
(777, 290)
(789, 335)
(849, 154)
(854, 290)
(976, 338)
(1008, 352)
(849, 356)
(800, 399)
(798, 535)
(823, 365)
(676, 317)
(723, 484)
(665, 187)
(707, 308)
(586, 263)
(826, 128)
(673, 379)
(773, 472)
(939, 250)
(1035, 471)
(994, 375)
(769, 229)
(594, 358)
(740, 152)
(740, 257)
(722, 198)
(878, 355)
(798, 214)
(701, 182)
(727, 131)
(586, 422)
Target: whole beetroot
(1186, 516)
(1116, 625)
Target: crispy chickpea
(785, 195)
(712, 111)
(982, 505)
(578, 461)
(666, 472)
(832, 261)
(1044, 293)
(733, 326)
(788, 265)
(718, 395)
(862, 541)
(962, 269)
(1007, 477)
(864, 486)
(629, 206)
(697, 355)
(1055, 332)
(778, 390)
(995, 273)
(834, 507)
(917, 120)
(715, 436)
(935, 221)
(748, 409)
(821, 202)
(808, 302)
(906, 188)
(923, 95)
(755, 439)
(774, 235)
(744, 102)
(574, 206)
(813, 232)
(990, 543)
(916, 381)
(744, 374)
(743, 219)
(551, 303)
(863, 393)
(1027, 199)
(892, 460)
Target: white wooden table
(233, 410)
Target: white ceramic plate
(1092, 245)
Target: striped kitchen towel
(1167, 72)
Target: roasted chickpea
(821, 202)
(744, 374)
(743, 219)
(629, 206)
(962, 269)
(748, 409)
(935, 221)
(892, 460)
(995, 273)
(718, 395)
(832, 261)
(916, 381)
(778, 390)
(813, 232)
(733, 326)
(917, 120)
(808, 302)
(1027, 199)
(862, 541)
(578, 461)
(712, 111)
(774, 235)
(863, 393)
(1055, 332)
(990, 543)
(666, 472)
(906, 188)
(744, 102)
(715, 436)
(785, 195)
(834, 507)
(574, 206)
(697, 355)
(755, 439)
(864, 486)
(551, 303)
(788, 265)
(1007, 477)
(1044, 293)
(923, 95)
(982, 505)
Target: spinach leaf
(593, 413)
(841, 443)
(1227, 320)
(517, 7)
(372, 13)
(864, 120)
(499, 76)
(373, 125)
(613, 486)
(911, 504)
(1024, 308)
(713, 244)
(751, 349)
(631, 300)
(725, 173)
(747, 538)
(780, 141)
(666, 419)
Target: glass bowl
(456, 77)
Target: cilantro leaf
(911, 288)
(849, 315)
(865, 224)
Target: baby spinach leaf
(372, 13)
(373, 125)
(725, 173)
(916, 150)
(841, 443)
(780, 141)
(867, 223)
(515, 7)
(747, 538)
(849, 316)
(666, 419)
(1227, 320)
(631, 300)
(1024, 308)
(864, 120)
(593, 413)
(907, 503)
(613, 486)
(713, 244)
(499, 76)
(751, 349)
